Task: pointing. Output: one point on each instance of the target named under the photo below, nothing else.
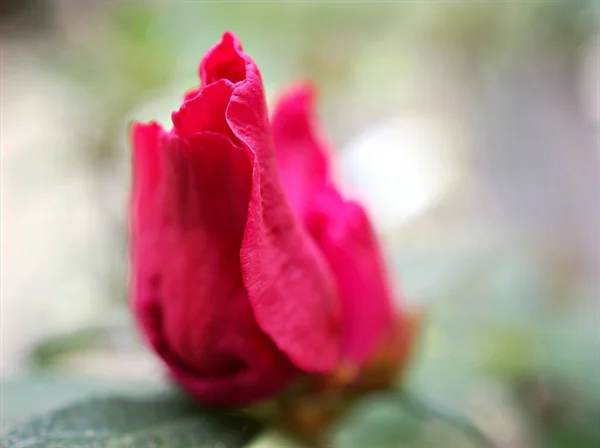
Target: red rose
(239, 276)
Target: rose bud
(227, 285)
(249, 269)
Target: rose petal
(288, 283)
(340, 228)
(226, 60)
(192, 303)
(144, 197)
(205, 112)
(146, 169)
(300, 153)
(344, 234)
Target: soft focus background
(470, 130)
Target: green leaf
(51, 350)
(28, 396)
(162, 421)
(391, 419)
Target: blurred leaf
(377, 423)
(116, 332)
(52, 350)
(386, 420)
(274, 439)
(170, 421)
(24, 397)
(562, 415)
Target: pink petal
(146, 168)
(205, 111)
(288, 283)
(301, 155)
(343, 232)
(226, 60)
(340, 228)
(144, 200)
(192, 302)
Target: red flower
(238, 275)
(228, 287)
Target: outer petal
(340, 228)
(343, 232)
(300, 154)
(205, 111)
(147, 172)
(288, 283)
(146, 169)
(189, 294)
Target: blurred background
(469, 129)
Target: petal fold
(341, 229)
(300, 152)
(343, 232)
(289, 284)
